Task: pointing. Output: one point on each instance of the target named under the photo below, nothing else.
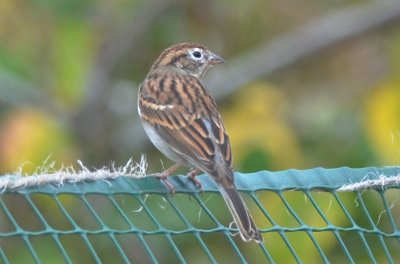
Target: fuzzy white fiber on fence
(68, 174)
(49, 174)
(380, 181)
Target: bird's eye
(197, 54)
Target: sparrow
(182, 121)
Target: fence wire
(301, 214)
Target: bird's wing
(186, 117)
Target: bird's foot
(163, 176)
(192, 176)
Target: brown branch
(308, 40)
(92, 122)
(18, 92)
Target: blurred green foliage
(337, 108)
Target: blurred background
(305, 84)
(294, 92)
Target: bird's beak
(215, 59)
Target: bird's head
(192, 58)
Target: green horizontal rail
(317, 178)
(211, 230)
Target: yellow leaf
(382, 122)
(28, 138)
(255, 121)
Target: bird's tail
(240, 213)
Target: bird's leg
(163, 176)
(192, 176)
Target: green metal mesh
(302, 216)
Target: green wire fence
(313, 216)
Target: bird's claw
(192, 176)
(162, 176)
